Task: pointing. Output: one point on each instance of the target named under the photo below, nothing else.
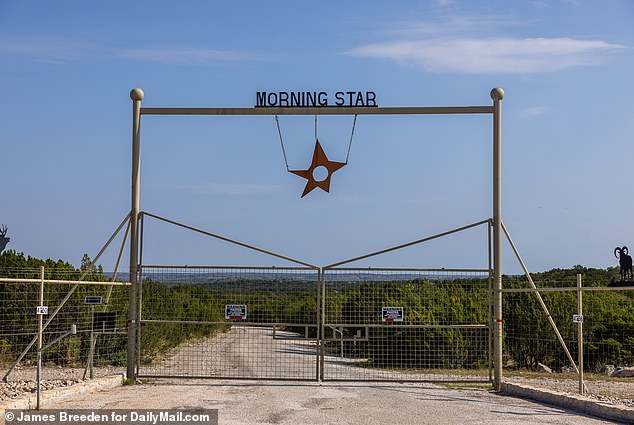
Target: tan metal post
(136, 95)
(580, 333)
(497, 94)
(40, 330)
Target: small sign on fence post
(42, 309)
(93, 300)
(577, 318)
(392, 314)
(235, 312)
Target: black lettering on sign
(283, 98)
(311, 98)
(272, 99)
(339, 98)
(260, 99)
(350, 94)
(370, 97)
(298, 99)
(323, 98)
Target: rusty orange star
(319, 160)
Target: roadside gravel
(22, 381)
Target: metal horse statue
(625, 261)
(3, 238)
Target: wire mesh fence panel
(73, 313)
(534, 354)
(406, 324)
(227, 322)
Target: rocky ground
(22, 381)
(617, 391)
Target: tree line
(445, 309)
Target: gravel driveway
(275, 402)
(249, 350)
(258, 402)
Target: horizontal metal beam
(324, 110)
(398, 326)
(570, 289)
(337, 325)
(229, 377)
(401, 269)
(441, 373)
(65, 282)
(258, 268)
(228, 323)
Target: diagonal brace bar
(541, 301)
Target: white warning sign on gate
(392, 314)
(235, 312)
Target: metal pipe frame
(496, 94)
(137, 96)
(393, 326)
(63, 282)
(569, 289)
(408, 269)
(582, 386)
(540, 299)
(273, 379)
(116, 267)
(232, 241)
(333, 110)
(405, 245)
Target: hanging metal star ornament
(319, 160)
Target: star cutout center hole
(320, 173)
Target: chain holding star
(319, 163)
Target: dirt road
(257, 402)
(262, 353)
(286, 402)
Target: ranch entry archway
(323, 332)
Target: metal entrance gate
(495, 223)
(300, 323)
(229, 322)
(311, 323)
(406, 325)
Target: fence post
(497, 94)
(39, 338)
(580, 333)
(91, 355)
(136, 95)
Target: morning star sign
(293, 99)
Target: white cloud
(182, 56)
(63, 50)
(491, 55)
(50, 49)
(452, 25)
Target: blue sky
(568, 128)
